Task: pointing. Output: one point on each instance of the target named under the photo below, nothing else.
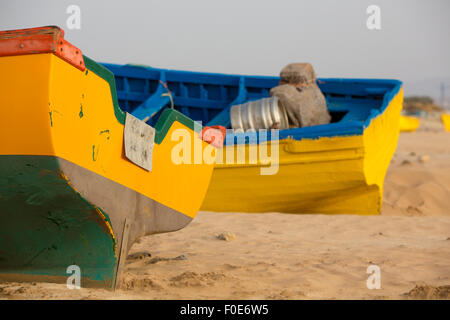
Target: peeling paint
(108, 224)
(95, 154)
(61, 227)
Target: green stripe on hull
(108, 76)
(46, 226)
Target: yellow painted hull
(446, 121)
(409, 124)
(327, 175)
(73, 118)
(69, 193)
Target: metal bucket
(264, 113)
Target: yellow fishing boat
(409, 124)
(446, 121)
(333, 168)
(81, 179)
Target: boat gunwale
(337, 129)
(163, 123)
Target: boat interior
(207, 97)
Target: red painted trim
(40, 40)
(214, 135)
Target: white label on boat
(139, 140)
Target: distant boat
(409, 124)
(80, 179)
(333, 168)
(446, 121)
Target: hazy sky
(255, 36)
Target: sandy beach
(301, 256)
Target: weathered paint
(40, 40)
(41, 193)
(138, 142)
(46, 226)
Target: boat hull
(332, 175)
(446, 121)
(68, 192)
(409, 124)
(47, 225)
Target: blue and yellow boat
(70, 193)
(334, 168)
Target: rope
(168, 94)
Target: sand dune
(418, 180)
(281, 256)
